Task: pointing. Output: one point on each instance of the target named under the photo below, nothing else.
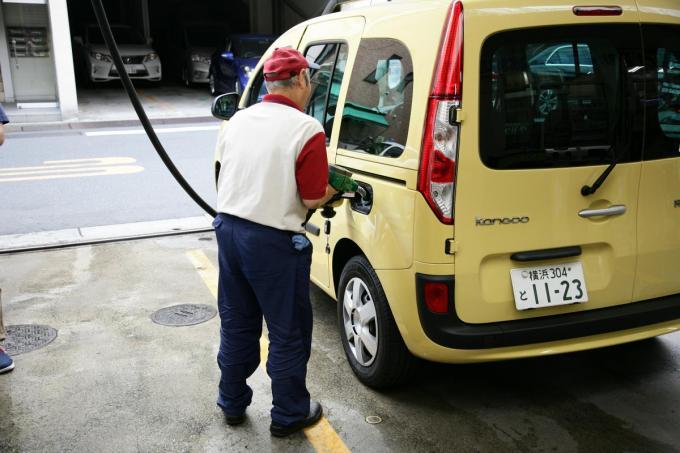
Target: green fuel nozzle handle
(341, 180)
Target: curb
(73, 237)
(76, 125)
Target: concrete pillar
(63, 59)
(5, 63)
(146, 22)
(261, 16)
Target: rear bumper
(450, 331)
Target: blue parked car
(230, 69)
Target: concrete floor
(108, 105)
(113, 381)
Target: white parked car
(95, 64)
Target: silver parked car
(200, 41)
(96, 65)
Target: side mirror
(225, 106)
(228, 55)
(78, 40)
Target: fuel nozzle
(341, 180)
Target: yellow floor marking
(324, 439)
(162, 104)
(71, 168)
(205, 269)
(72, 163)
(322, 436)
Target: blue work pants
(263, 274)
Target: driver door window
(257, 91)
(326, 82)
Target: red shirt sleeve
(311, 168)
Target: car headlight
(200, 59)
(151, 57)
(101, 56)
(248, 70)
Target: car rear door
(658, 270)
(526, 236)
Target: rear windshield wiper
(589, 190)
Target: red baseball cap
(285, 63)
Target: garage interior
(161, 23)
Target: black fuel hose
(132, 93)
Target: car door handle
(616, 209)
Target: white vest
(259, 149)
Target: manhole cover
(184, 315)
(28, 337)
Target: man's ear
(304, 78)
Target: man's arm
(3, 120)
(316, 204)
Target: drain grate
(28, 337)
(184, 315)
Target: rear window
(561, 97)
(662, 55)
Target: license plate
(547, 286)
(131, 69)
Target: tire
(372, 343)
(185, 78)
(211, 84)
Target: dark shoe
(233, 420)
(6, 362)
(314, 416)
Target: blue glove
(300, 242)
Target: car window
(377, 111)
(204, 37)
(562, 55)
(257, 90)
(662, 68)
(250, 47)
(326, 81)
(583, 111)
(122, 35)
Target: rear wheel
(372, 343)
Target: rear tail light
(597, 10)
(437, 176)
(436, 297)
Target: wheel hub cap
(360, 322)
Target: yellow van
(522, 164)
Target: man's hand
(316, 204)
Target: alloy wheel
(360, 322)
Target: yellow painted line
(110, 171)
(322, 436)
(71, 163)
(162, 104)
(71, 168)
(205, 269)
(324, 439)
